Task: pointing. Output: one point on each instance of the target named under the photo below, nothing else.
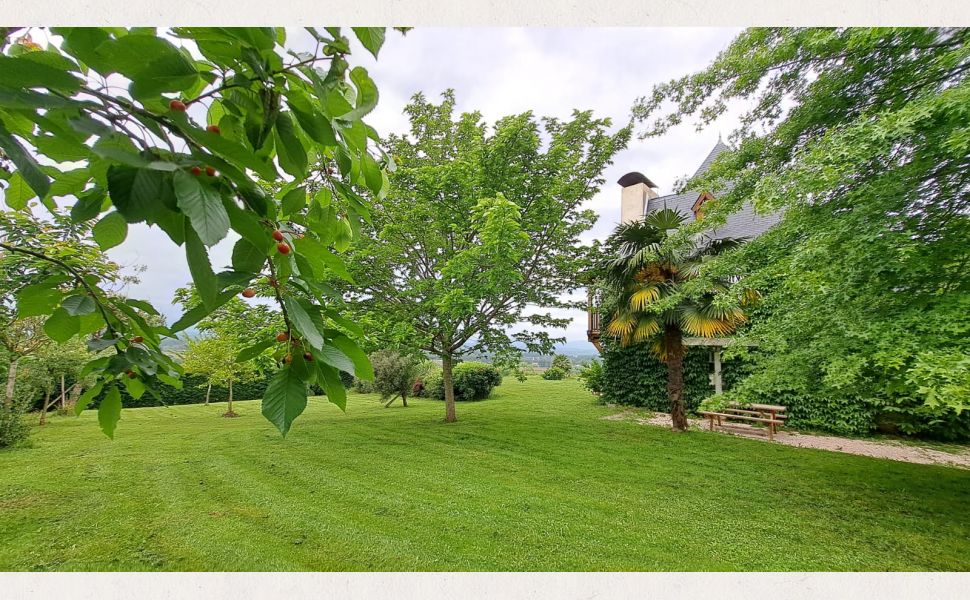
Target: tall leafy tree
(214, 357)
(28, 282)
(649, 297)
(182, 129)
(479, 223)
(860, 137)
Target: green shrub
(560, 369)
(13, 426)
(472, 381)
(591, 374)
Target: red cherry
(278, 235)
(307, 356)
(283, 248)
(282, 336)
(213, 129)
(196, 171)
(177, 105)
(137, 339)
(210, 171)
(130, 374)
(248, 293)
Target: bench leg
(711, 421)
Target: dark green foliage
(394, 374)
(193, 392)
(473, 381)
(591, 374)
(633, 376)
(560, 368)
(13, 428)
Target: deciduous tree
(480, 224)
(184, 130)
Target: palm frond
(644, 295)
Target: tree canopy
(185, 130)
(480, 223)
(860, 137)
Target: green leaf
(88, 205)
(26, 165)
(372, 173)
(20, 74)
(372, 38)
(203, 206)
(246, 257)
(172, 73)
(79, 304)
(343, 235)
(255, 350)
(331, 384)
(344, 322)
(110, 231)
(333, 356)
(61, 326)
(362, 366)
(99, 344)
(284, 399)
(136, 193)
(85, 399)
(197, 313)
(135, 387)
(202, 275)
(294, 201)
(302, 321)
(142, 305)
(109, 412)
(289, 148)
(18, 192)
(37, 299)
(246, 224)
(366, 94)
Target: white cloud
(501, 71)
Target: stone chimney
(637, 190)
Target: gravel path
(878, 449)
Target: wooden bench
(767, 414)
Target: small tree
(591, 374)
(214, 357)
(394, 375)
(560, 368)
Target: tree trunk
(43, 412)
(449, 389)
(404, 400)
(207, 390)
(674, 345)
(11, 383)
(63, 397)
(229, 412)
(72, 398)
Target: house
(639, 197)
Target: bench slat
(742, 417)
(752, 412)
(774, 407)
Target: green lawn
(531, 479)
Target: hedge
(633, 376)
(193, 392)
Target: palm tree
(647, 297)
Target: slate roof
(743, 224)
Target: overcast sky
(502, 71)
